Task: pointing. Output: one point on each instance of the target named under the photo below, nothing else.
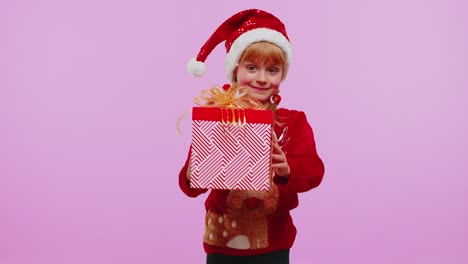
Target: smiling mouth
(261, 89)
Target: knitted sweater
(245, 223)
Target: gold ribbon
(234, 98)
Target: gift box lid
(230, 114)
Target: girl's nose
(261, 77)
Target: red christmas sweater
(245, 223)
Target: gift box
(231, 148)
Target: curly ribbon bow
(234, 97)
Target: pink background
(90, 92)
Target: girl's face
(262, 80)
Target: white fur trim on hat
(252, 36)
(196, 68)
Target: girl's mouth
(260, 89)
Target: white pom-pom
(196, 68)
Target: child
(256, 226)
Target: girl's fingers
(278, 157)
(281, 169)
(277, 148)
(279, 166)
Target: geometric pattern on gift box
(230, 156)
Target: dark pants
(277, 257)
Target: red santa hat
(239, 32)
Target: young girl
(256, 226)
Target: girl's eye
(250, 67)
(273, 70)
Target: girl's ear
(234, 75)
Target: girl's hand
(279, 162)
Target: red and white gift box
(231, 148)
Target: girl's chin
(262, 100)
(261, 94)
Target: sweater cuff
(281, 180)
(185, 185)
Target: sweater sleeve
(307, 168)
(184, 183)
